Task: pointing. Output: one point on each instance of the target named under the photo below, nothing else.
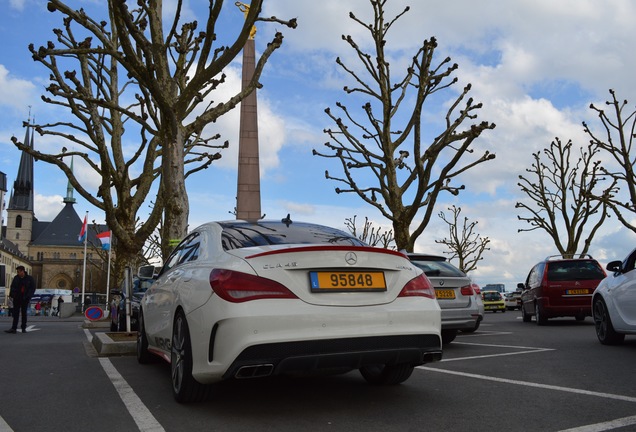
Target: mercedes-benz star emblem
(351, 258)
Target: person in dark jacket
(22, 289)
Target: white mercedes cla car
(614, 302)
(238, 299)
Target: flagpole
(110, 249)
(84, 271)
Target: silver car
(458, 297)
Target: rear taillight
(419, 286)
(237, 287)
(467, 290)
(476, 289)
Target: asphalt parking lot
(509, 375)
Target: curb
(106, 346)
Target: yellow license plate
(347, 281)
(576, 291)
(444, 294)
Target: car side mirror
(146, 272)
(615, 266)
(521, 286)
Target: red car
(558, 287)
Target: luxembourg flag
(105, 239)
(82, 235)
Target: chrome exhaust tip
(254, 371)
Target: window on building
(18, 221)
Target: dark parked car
(558, 287)
(118, 304)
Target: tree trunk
(175, 196)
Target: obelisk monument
(248, 197)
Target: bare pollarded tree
(616, 139)
(370, 234)
(383, 152)
(141, 75)
(559, 190)
(464, 242)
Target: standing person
(22, 289)
(60, 300)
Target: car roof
(587, 257)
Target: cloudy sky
(535, 65)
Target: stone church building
(50, 251)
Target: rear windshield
(575, 270)
(492, 296)
(438, 268)
(242, 234)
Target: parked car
(558, 287)
(493, 301)
(238, 299)
(614, 302)
(457, 295)
(513, 300)
(118, 304)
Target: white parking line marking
(504, 346)
(4, 427)
(484, 333)
(599, 427)
(497, 355)
(145, 421)
(531, 384)
(142, 416)
(527, 350)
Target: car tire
(143, 355)
(604, 329)
(539, 315)
(386, 374)
(184, 387)
(448, 336)
(526, 316)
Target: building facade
(50, 251)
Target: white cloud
(13, 90)
(47, 207)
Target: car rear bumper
(462, 318)
(238, 340)
(552, 311)
(461, 322)
(333, 355)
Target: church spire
(22, 194)
(69, 189)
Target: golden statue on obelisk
(246, 9)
